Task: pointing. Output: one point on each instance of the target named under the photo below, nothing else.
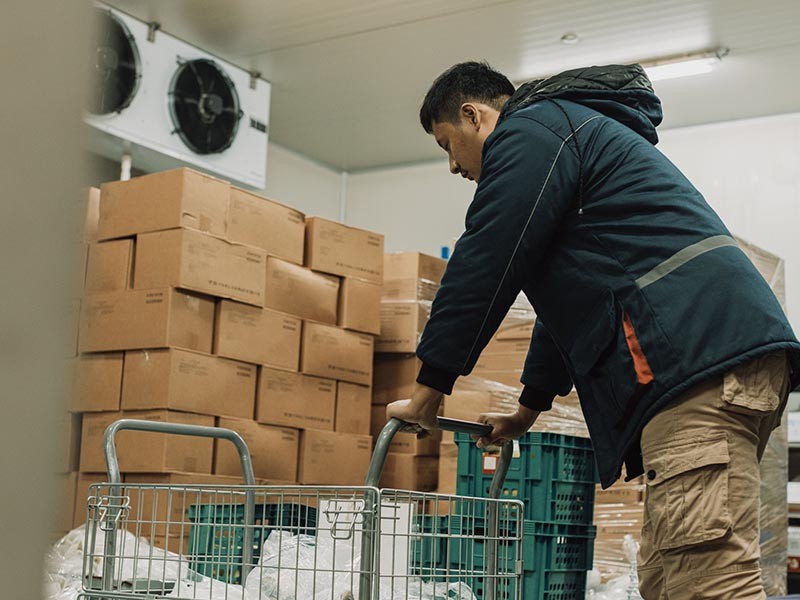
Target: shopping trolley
(255, 542)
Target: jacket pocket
(687, 491)
(755, 388)
(601, 358)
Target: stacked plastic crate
(555, 476)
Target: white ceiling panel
(348, 76)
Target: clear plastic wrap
(564, 417)
(774, 516)
(614, 523)
(622, 587)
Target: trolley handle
(395, 425)
(110, 448)
(114, 478)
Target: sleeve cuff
(534, 399)
(436, 378)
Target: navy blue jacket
(618, 253)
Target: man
(680, 352)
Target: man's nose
(455, 169)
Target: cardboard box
(257, 335)
(69, 449)
(331, 458)
(619, 494)
(514, 330)
(295, 400)
(188, 381)
(409, 289)
(405, 443)
(395, 377)
(273, 449)
(507, 361)
(360, 306)
(145, 452)
(72, 317)
(80, 499)
(266, 224)
(301, 292)
(109, 266)
(97, 383)
(150, 512)
(196, 261)
(336, 353)
(166, 200)
(353, 408)
(771, 267)
(342, 250)
(466, 405)
(90, 214)
(81, 260)
(401, 326)
(617, 520)
(154, 318)
(509, 346)
(413, 265)
(66, 485)
(448, 468)
(509, 378)
(409, 472)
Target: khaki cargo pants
(700, 534)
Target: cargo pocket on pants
(755, 387)
(687, 498)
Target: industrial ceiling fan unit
(166, 103)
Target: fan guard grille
(117, 69)
(204, 106)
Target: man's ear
(471, 115)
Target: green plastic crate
(428, 550)
(467, 546)
(545, 546)
(556, 547)
(554, 475)
(216, 535)
(555, 559)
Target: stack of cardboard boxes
(618, 512)
(206, 304)
(411, 280)
(503, 357)
(493, 386)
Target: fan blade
(185, 99)
(197, 76)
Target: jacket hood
(621, 92)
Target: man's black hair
(464, 82)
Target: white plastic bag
(137, 561)
(303, 567)
(295, 567)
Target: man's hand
(421, 409)
(506, 426)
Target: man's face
(463, 140)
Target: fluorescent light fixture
(685, 65)
(671, 67)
